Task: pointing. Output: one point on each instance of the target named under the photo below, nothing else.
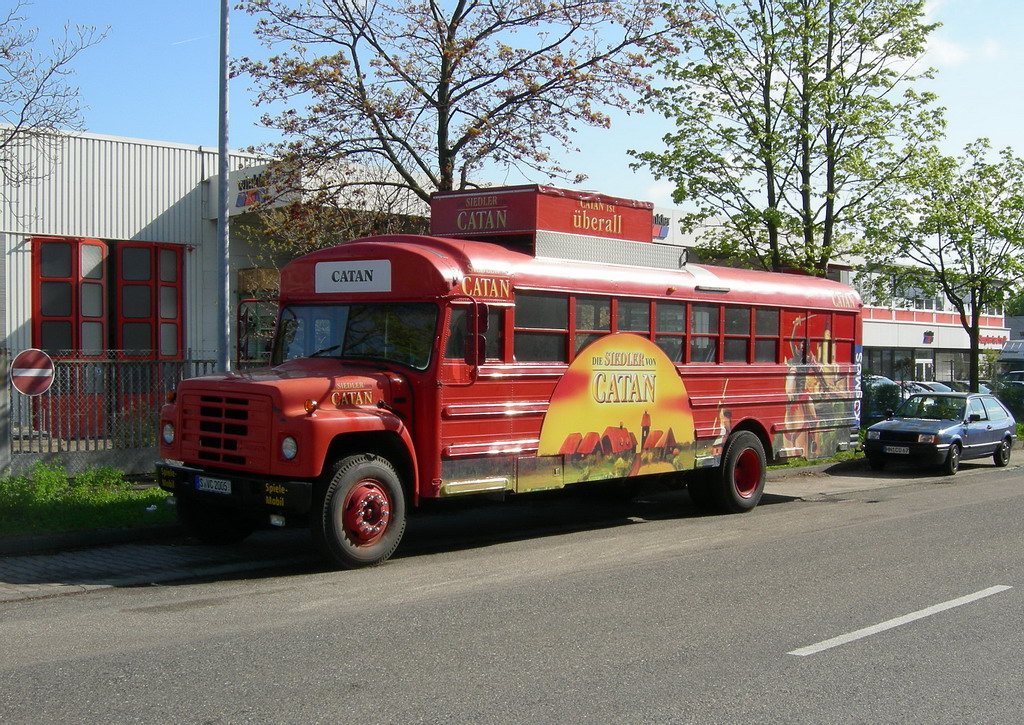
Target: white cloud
(943, 53)
(660, 193)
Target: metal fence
(97, 412)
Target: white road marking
(890, 624)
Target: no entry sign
(32, 372)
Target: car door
(980, 435)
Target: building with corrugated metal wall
(128, 194)
(110, 264)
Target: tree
(792, 117)
(36, 98)
(960, 225)
(424, 95)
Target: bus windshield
(401, 333)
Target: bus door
(475, 402)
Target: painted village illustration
(640, 432)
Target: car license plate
(213, 485)
(903, 450)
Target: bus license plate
(904, 450)
(213, 485)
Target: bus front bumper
(239, 491)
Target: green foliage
(877, 401)
(46, 500)
(960, 223)
(792, 120)
(1012, 397)
(400, 95)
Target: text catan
(352, 275)
(490, 287)
(482, 220)
(608, 387)
(354, 397)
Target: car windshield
(932, 407)
(402, 333)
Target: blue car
(942, 429)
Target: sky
(155, 77)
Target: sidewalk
(75, 563)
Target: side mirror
(476, 350)
(476, 344)
(974, 417)
(481, 318)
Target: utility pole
(223, 227)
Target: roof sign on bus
(371, 275)
(513, 210)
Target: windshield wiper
(325, 350)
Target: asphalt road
(571, 613)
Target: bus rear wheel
(362, 518)
(741, 478)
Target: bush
(877, 401)
(1012, 396)
(46, 500)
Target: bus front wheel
(362, 517)
(741, 478)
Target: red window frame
(161, 282)
(78, 283)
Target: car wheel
(952, 463)
(1002, 453)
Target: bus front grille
(226, 430)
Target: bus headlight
(289, 448)
(168, 433)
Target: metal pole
(223, 236)
(5, 414)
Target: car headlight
(927, 438)
(168, 433)
(873, 435)
(289, 448)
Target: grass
(839, 457)
(46, 500)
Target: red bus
(537, 339)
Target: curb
(44, 543)
(775, 474)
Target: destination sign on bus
(371, 275)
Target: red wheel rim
(746, 477)
(367, 512)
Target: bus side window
(670, 329)
(541, 327)
(843, 331)
(455, 348)
(766, 336)
(737, 335)
(633, 316)
(704, 333)
(593, 320)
